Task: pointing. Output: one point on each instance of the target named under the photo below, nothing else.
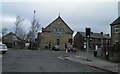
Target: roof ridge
(116, 21)
(59, 17)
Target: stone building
(115, 31)
(57, 33)
(97, 39)
(115, 39)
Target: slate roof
(56, 20)
(96, 35)
(11, 33)
(117, 21)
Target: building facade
(56, 33)
(115, 31)
(115, 39)
(98, 40)
(13, 41)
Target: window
(98, 39)
(14, 38)
(62, 31)
(58, 31)
(54, 31)
(84, 38)
(58, 41)
(70, 41)
(106, 41)
(117, 29)
(85, 47)
(6, 38)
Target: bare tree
(35, 27)
(18, 29)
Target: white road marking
(77, 56)
(64, 58)
(67, 58)
(61, 58)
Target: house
(57, 33)
(13, 41)
(115, 31)
(97, 39)
(115, 39)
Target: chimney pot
(101, 33)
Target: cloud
(8, 22)
(78, 15)
(60, 0)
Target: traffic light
(88, 32)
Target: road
(41, 61)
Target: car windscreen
(3, 47)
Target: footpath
(89, 59)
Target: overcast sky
(78, 15)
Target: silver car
(3, 48)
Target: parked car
(3, 48)
(55, 48)
(72, 50)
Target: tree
(35, 27)
(18, 29)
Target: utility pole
(88, 35)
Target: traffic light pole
(88, 35)
(87, 48)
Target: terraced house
(97, 39)
(57, 33)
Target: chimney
(108, 35)
(101, 33)
(42, 29)
(91, 32)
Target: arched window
(54, 31)
(58, 31)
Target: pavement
(89, 59)
(0, 63)
(0, 55)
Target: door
(58, 41)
